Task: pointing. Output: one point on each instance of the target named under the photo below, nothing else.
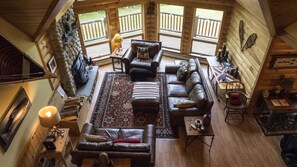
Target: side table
(63, 146)
(195, 134)
(116, 57)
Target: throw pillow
(181, 73)
(184, 104)
(132, 140)
(95, 138)
(235, 98)
(142, 53)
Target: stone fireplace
(66, 45)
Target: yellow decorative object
(116, 41)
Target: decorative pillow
(95, 138)
(184, 104)
(132, 140)
(142, 53)
(181, 73)
(234, 98)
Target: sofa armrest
(157, 58)
(128, 56)
(88, 128)
(149, 137)
(171, 69)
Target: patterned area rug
(114, 109)
(279, 125)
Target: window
(207, 27)
(94, 32)
(171, 21)
(130, 19)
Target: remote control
(193, 126)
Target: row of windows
(94, 29)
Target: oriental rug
(281, 124)
(113, 107)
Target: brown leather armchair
(155, 53)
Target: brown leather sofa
(155, 53)
(193, 87)
(141, 154)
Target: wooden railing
(171, 22)
(93, 29)
(130, 22)
(204, 27)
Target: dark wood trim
(48, 18)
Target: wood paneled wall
(46, 52)
(268, 78)
(250, 60)
(34, 147)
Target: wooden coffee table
(193, 134)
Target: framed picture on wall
(52, 65)
(13, 117)
(283, 61)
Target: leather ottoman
(146, 97)
(141, 74)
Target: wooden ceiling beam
(48, 18)
(264, 4)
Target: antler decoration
(251, 39)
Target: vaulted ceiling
(31, 16)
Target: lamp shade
(117, 38)
(49, 116)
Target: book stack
(71, 108)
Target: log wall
(250, 60)
(269, 78)
(46, 51)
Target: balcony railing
(204, 27)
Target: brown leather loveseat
(141, 153)
(192, 88)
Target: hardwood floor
(236, 144)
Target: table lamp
(117, 41)
(49, 117)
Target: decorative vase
(206, 120)
(198, 123)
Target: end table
(116, 57)
(195, 134)
(63, 146)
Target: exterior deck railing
(204, 27)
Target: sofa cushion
(192, 81)
(172, 79)
(191, 67)
(181, 73)
(102, 146)
(95, 138)
(174, 111)
(131, 133)
(110, 133)
(140, 63)
(176, 90)
(198, 95)
(132, 140)
(142, 53)
(134, 147)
